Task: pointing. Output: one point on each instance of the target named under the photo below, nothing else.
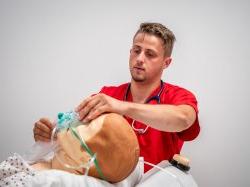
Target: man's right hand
(42, 130)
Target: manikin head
(110, 137)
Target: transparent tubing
(86, 166)
(166, 171)
(69, 121)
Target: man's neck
(140, 91)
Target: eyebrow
(148, 49)
(137, 46)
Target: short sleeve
(185, 97)
(104, 90)
(108, 90)
(116, 92)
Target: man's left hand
(96, 105)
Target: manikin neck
(141, 91)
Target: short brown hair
(160, 31)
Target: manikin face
(70, 151)
(147, 60)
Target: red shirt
(156, 145)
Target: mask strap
(85, 165)
(88, 150)
(67, 121)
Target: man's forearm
(169, 118)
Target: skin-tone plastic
(110, 137)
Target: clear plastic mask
(66, 134)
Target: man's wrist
(123, 107)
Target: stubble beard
(138, 78)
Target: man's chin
(138, 79)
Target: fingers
(41, 138)
(95, 105)
(83, 104)
(42, 130)
(95, 112)
(87, 106)
(47, 122)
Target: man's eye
(136, 51)
(150, 55)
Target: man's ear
(167, 62)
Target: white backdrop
(55, 53)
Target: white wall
(55, 53)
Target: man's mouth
(139, 68)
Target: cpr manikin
(105, 148)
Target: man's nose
(140, 58)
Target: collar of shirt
(153, 93)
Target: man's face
(147, 60)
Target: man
(162, 115)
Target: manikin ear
(167, 62)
